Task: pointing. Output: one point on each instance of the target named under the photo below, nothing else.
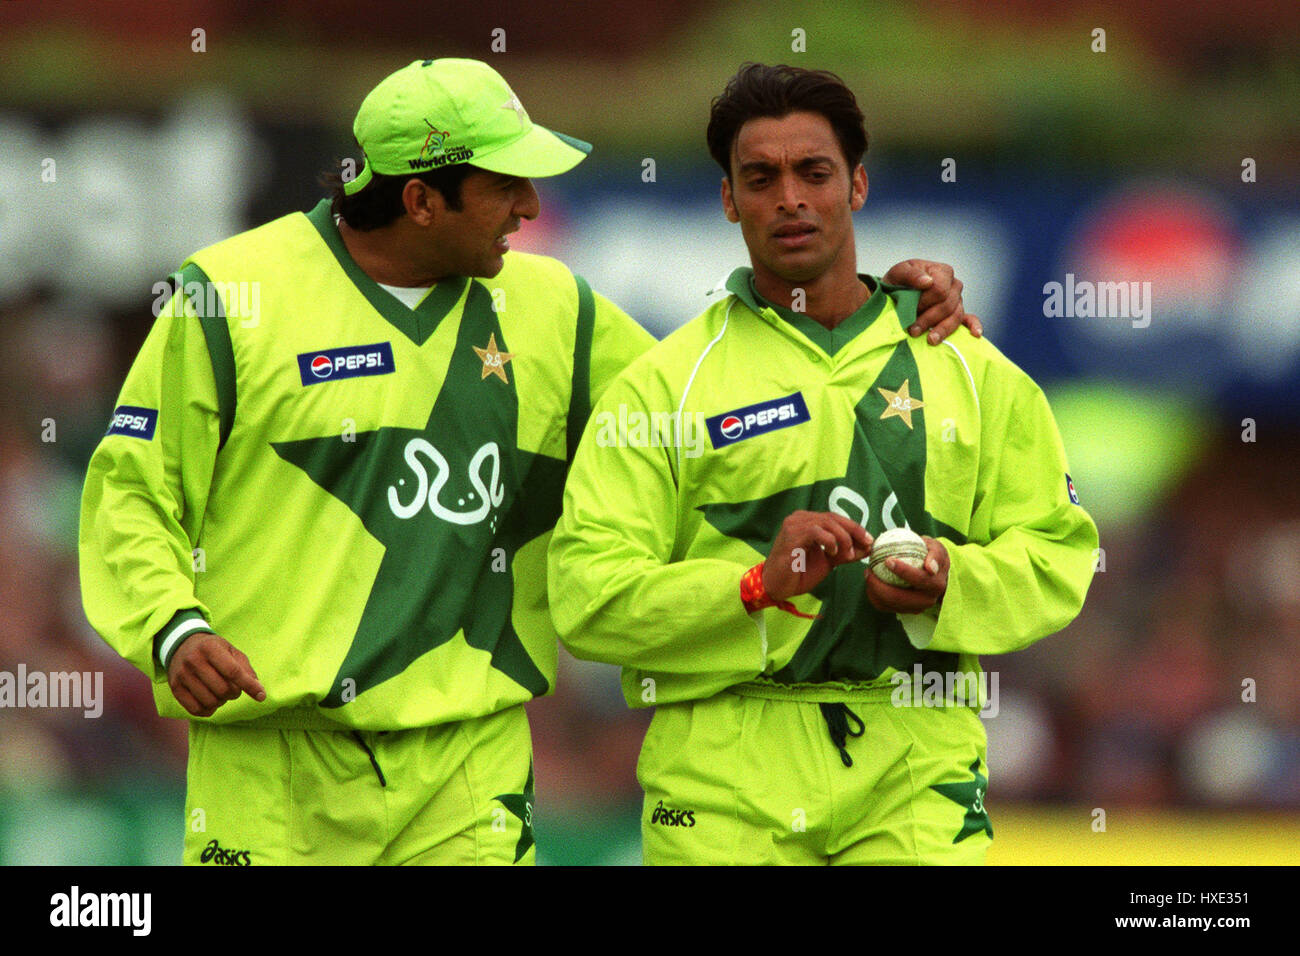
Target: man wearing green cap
(320, 516)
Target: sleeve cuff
(178, 628)
(919, 628)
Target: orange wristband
(755, 597)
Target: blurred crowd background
(1165, 150)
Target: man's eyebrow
(763, 166)
(814, 161)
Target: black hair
(757, 90)
(380, 201)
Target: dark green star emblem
(521, 805)
(441, 499)
(971, 796)
(885, 472)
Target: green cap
(436, 113)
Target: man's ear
(423, 203)
(728, 206)
(858, 191)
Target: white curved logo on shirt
(489, 494)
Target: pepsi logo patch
(134, 421)
(351, 361)
(1069, 487)
(741, 423)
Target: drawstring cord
(356, 735)
(837, 722)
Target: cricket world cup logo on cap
(435, 152)
(433, 142)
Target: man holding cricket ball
(732, 586)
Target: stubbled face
(472, 241)
(794, 197)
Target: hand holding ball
(899, 543)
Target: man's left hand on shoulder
(928, 582)
(940, 307)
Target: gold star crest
(514, 104)
(900, 403)
(494, 360)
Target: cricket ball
(901, 543)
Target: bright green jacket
(355, 494)
(778, 414)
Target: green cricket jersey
(778, 414)
(355, 494)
